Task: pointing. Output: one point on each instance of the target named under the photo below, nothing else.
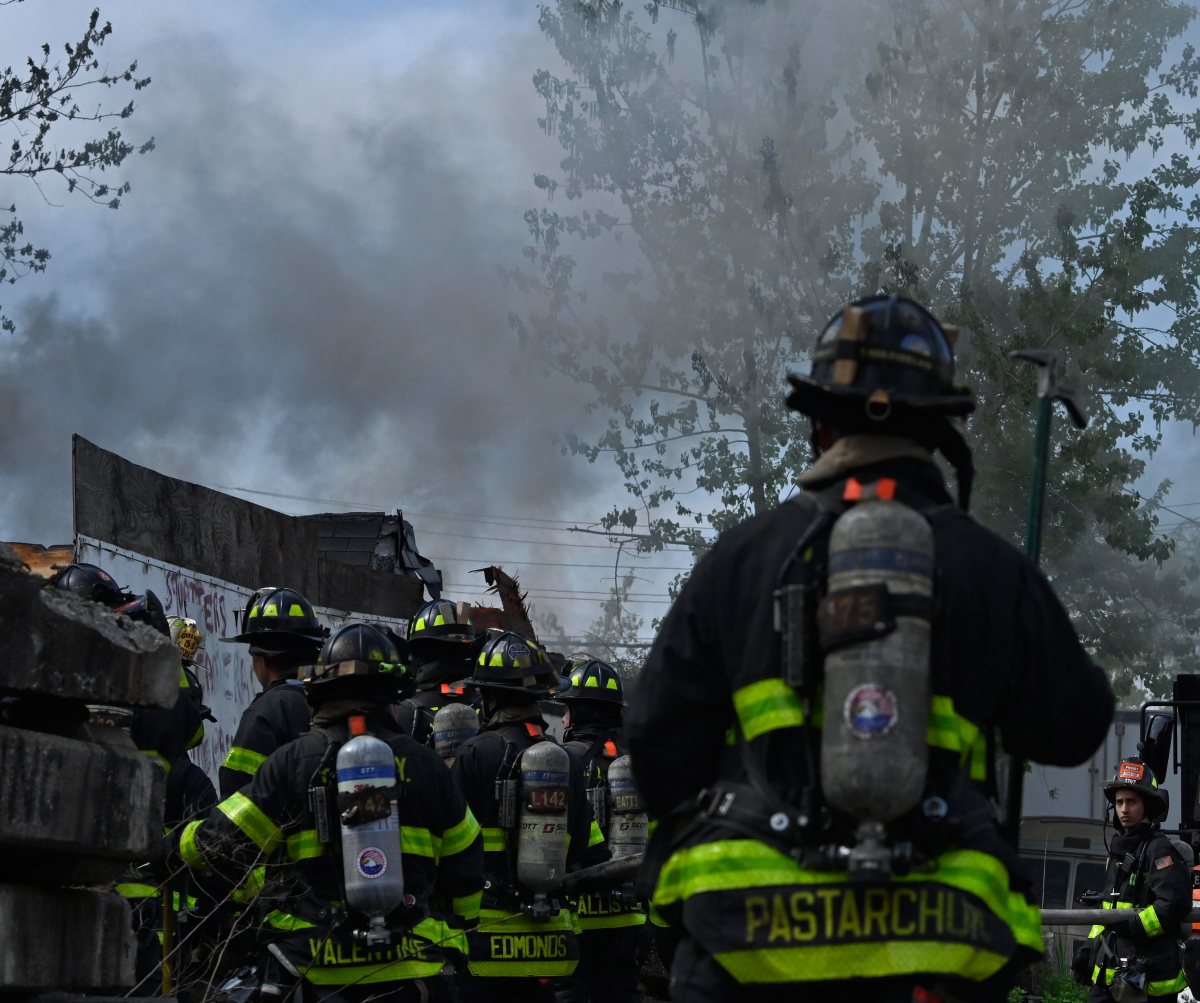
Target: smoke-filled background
(301, 292)
(323, 285)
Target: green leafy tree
(698, 170)
(55, 140)
(613, 636)
(1025, 167)
(1030, 195)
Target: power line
(516, 522)
(536, 543)
(603, 593)
(572, 564)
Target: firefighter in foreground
(611, 922)
(283, 633)
(1146, 875)
(374, 859)
(528, 795)
(441, 641)
(816, 721)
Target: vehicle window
(1050, 879)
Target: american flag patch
(1162, 862)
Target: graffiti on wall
(222, 667)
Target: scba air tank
(543, 837)
(874, 752)
(370, 828)
(626, 816)
(453, 725)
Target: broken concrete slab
(82, 808)
(64, 939)
(55, 643)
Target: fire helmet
(880, 357)
(508, 661)
(358, 658)
(188, 637)
(594, 682)
(278, 622)
(91, 582)
(147, 609)
(439, 622)
(1135, 775)
(886, 364)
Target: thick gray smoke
(301, 292)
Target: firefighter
(441, 641)
(283, 633)
(1148, 877)
(526, 937)
(88, 581)
(734, 733)
(610, 922)
(294, 814)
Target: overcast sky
(300, 294)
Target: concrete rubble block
(64, 939)
(80, 998)
(74, 812)
(56, 644)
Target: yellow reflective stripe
(767, 705)
(243, 760)
(595, 834)
(865, 960)
(461, 836)
(518, 969)
(136, 890)
(737, 864)
(1150, 921)
(365, 975)
(467, 906)
(251, 887)
(493, 920)
(252, 821)
(418, 841)
(304, 845)
(178, 903)
(949, 730)
(441, 934)
(771, 704)
(1164, 987)
(188, 849)
(286, 921)
(493, 840)
(1167, 987)
(184, 682)
(622, 919)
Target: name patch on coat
(845, 913)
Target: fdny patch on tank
(372, 862)
(870, 710)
